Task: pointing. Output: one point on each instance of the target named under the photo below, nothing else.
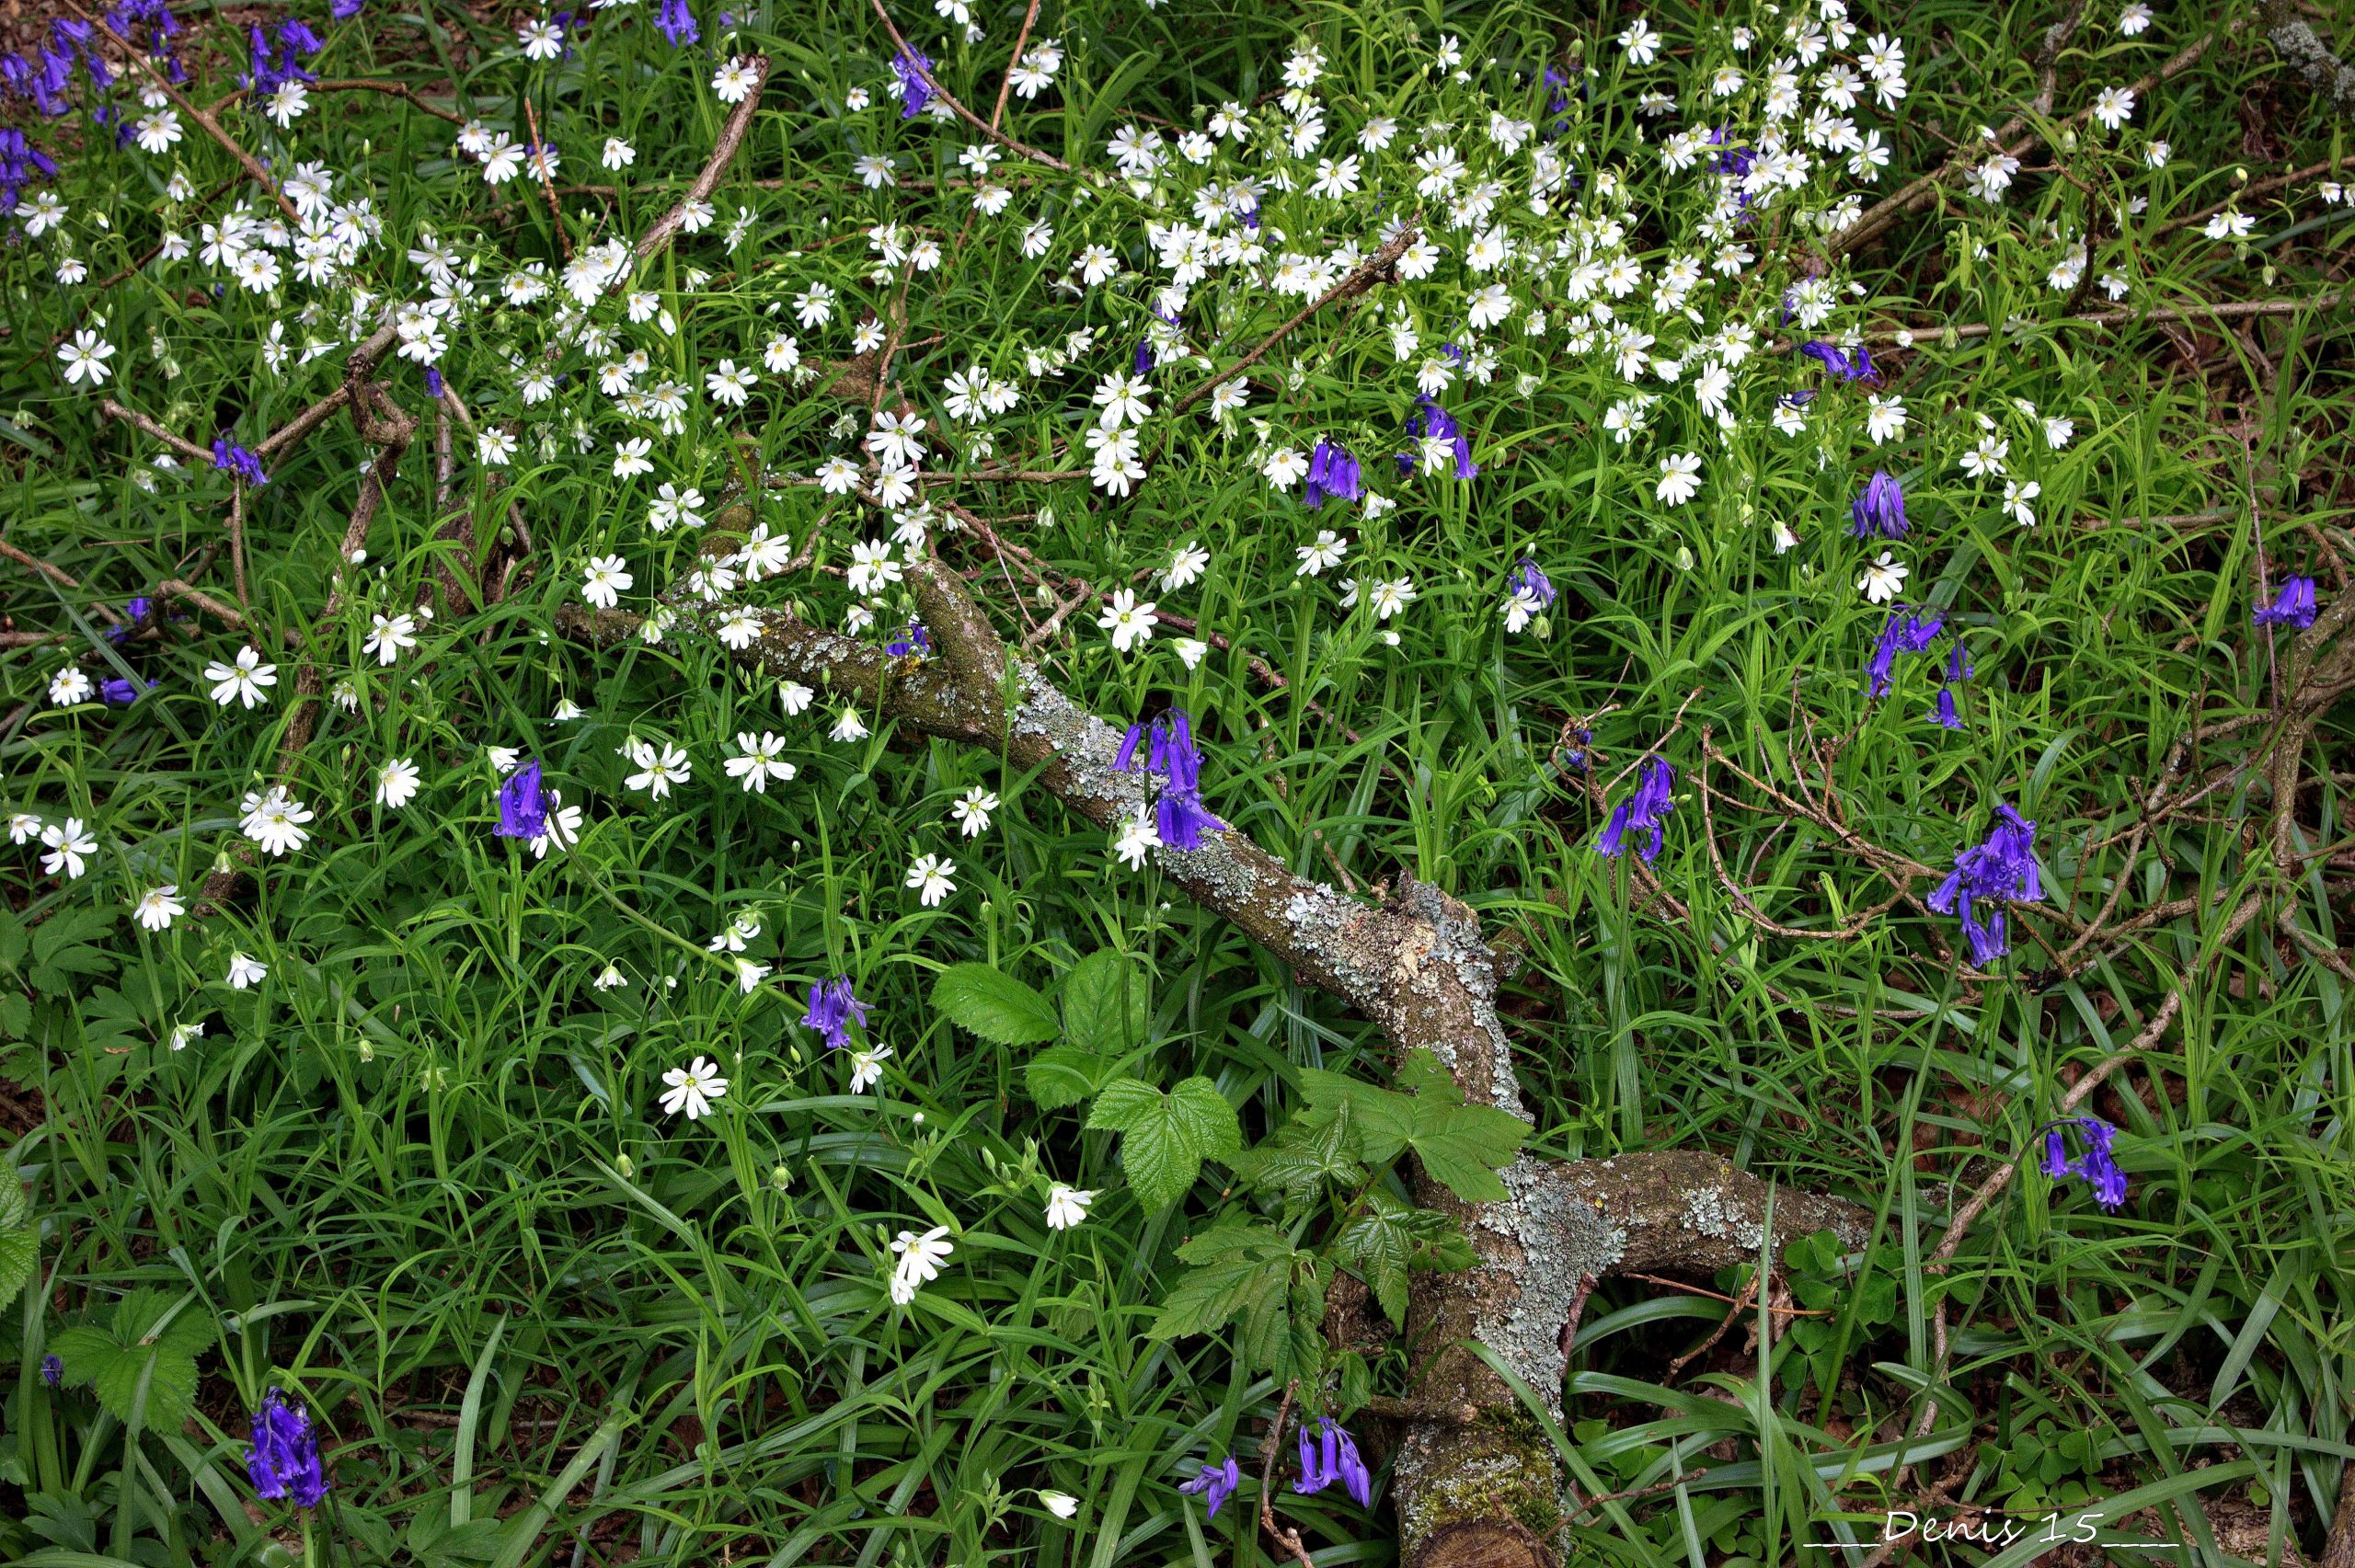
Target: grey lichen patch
(1709, 1212)
(1561, 1240)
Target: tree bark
(1483, 1493)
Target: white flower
(69, 686)
(2058, 431)
(733, 82)
(849, 726)
(693, 1088)
(1389, 597)
(618, 154)
(609, 978)
(1188, 564)
(160, 907)
(1985, 461)
(920, 1261)
(871, 567)
(1680, 477)
(389, 636)
(2016, 497)
(68, 842)
(1884, 418)
(972, 812)
(158, 132)
(657, 770)
(867, 1068)
(930, 876)
(1129, 622)
(1191, 650)
(242, 681)
(2114, 106)
(245, 972)
(1326, 550)
(562, 828)
(185, 1035)
(604, 581)
(793, 697)
(85, 358)
(1062, 1504)
(1066, 1207)
(1136, 836)
(630, 458)
(275, 822)
(1884, 579)
(1285, 468)
(761, 759)
(396, 784)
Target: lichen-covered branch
(1486, 1491)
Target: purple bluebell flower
(915, 641)
(1907, 630)
(523, 804)
(676, 23)
(20, 161)
(1217, 1482)
(435, 385)
(910, 65)
(2002, 870)
(1847, 366)
(1430, 419)
(1332, 472)
(1179, 816)
(1959, 669)
(237, 459)
(276, 59)
(344, 10)
(1643, 812)
(1332, 1456)
(1879, 508)
(123, 692)
(283, 1461)
(833, 1007)
(53, 1370)
(1528, 578)
(2294, 606)
(2097, 1166)
(1941, 710)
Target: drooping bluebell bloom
(277, 59)
(1179, 816)
(676, 23)
(2002, 869)
(1215, 1482)
(910, 65)
(1847, 366)
(435, 385)
(1573, 755)
(833, 1007)
(2294, 606)
(150, 24)
(914, 640)
(1332, 1456)
(1907, 630)
(20, 162)
(53, 1370)
(2096, 1165)
(123, 692)
(237, 459)
(1332, 472)
(283, 1461)
(1879, 508)
(1430, 419)
(1643, 812)
(523, 804)
(1959, 669)
(1528, 578)
(344, 10)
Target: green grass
(419, 1176)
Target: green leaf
(19, 1240)
(12, 939)
(1461, 1147)
(1064, 1075)
(1253, 1276)
(144, 1365)
(1165, 1138)
(62, 945)
(1308, 1151)
(992, 1004)
(1105, 1004)
(1375, 1246)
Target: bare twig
(967, 115)
(731, 137)
(1362, 278)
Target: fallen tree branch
(732, 137)
(985, 127)
(1360, 278)
(1486, 1491)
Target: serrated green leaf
(16, 1015)
(1460, 1146)
(1252, 1277)
(1308, 1151)
(19, 1240)
(1105, 1003)
(1165, 1138)
(143, 1365)
(13, 939)
(1375, 1246)
(992, 1004)
(1064, 1075)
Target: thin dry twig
(908, 56)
